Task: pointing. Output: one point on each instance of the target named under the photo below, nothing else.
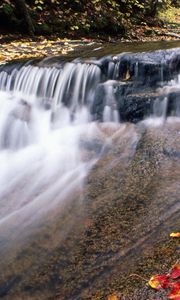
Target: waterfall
(47, 112)
(40, 162)
(43, 118)
(73, 84)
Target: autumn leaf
(175, 292)
(113, 297)
(159, 281)
(31, 49)
(175, 234)
(175, 272)
(127, 75)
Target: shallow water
(100, 50)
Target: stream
(89, 181)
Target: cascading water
(45, 113)
(89, 181)
(40, 161)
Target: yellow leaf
(127, 75)
(175, 234)
(159, 281)
(113, 297)
(153, 282)
(40, 47)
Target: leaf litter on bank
(27, 48)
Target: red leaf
(159, 281)
(175, 272)
(175, 292)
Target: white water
(73, 84)
(110, 113)
(41, 164)
(40, 158)
(160, 107)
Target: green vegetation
(80, 17)
(170, 15)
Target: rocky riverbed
(117, 225)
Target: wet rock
(134, 108)
(122, 226)
(150, 68)
(15, 132)
(126, 83)
(174, 103)
(134, 104)
(136, 78)
(171, 153)
(8, 285)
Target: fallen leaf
(175, 234)
(159, 281)
(175, 272)
(175, 292)
(127, 75)
(113, 297)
